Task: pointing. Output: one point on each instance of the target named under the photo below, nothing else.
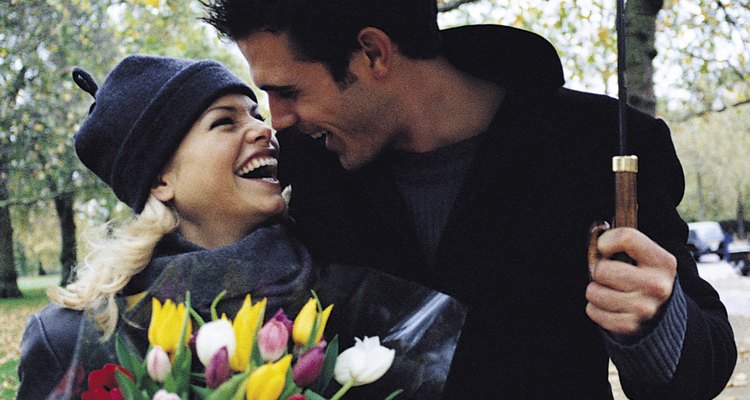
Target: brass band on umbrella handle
(626, 195)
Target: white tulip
(364, 363)
(211, 337)
(164, 395)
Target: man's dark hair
(326, 30)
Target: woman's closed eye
(222, 121)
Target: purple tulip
(217, 371)
(309, 365)
(273, 338)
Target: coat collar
(516, 59)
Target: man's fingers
(622, 277)
(613, 301)
(624, 324)
(638, 246)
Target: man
(457, 160)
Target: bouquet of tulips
(243, 357)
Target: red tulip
(103, 383)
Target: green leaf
(310, 395)
(290, 387)
(255, 357)
(124, 356)
(128, 388)
(316, 323)
(332, 352)
(230, 388)
(201, 392)
(178, 381)
(131, 361)
(197, 317)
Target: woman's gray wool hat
(141, 114)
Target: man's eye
(288, 94)
(222, 121)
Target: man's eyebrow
(276, 88)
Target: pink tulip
(281, 317)
(217, 370)
(158, 364)
(273, 338)
(309, 365)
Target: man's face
(357, 122)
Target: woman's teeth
(257, 163)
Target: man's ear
(163, 189)
(377, 46)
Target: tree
(699, 51)
(640, 17)
(42, 42)
(8, 285)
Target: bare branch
(706, 112)
(26, 201)
(454, 4)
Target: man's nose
(283, 114)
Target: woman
(182, 143)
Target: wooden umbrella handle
(626, 195)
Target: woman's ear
(163, 188)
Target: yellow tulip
(267, 382)
(166, 324)
(245, 326)
(305, 321)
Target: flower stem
(343, 390)
(214, 303)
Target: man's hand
(624, 299)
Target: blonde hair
(116, 254)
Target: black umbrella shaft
(621, 65)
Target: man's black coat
(514, 247)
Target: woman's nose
(259, 132)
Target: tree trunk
(8, 276)
(641, 50)
(68, 253)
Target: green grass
(14, 313)
(8, 380)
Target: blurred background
(688, 63)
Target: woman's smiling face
(222, 178)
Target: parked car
(739, 257)
(705, 237)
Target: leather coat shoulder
(48, 344)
